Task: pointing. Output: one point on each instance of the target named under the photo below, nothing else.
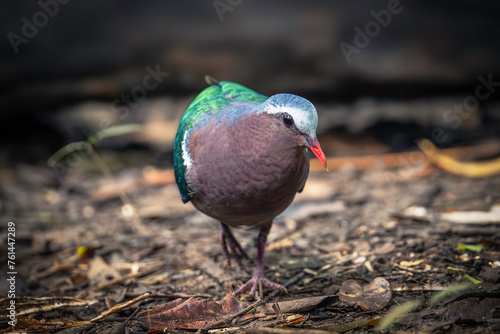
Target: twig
(121, 306)
(231, 317)
(29, 305)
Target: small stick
(121, 306)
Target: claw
(253, 283)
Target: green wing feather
(211, 101)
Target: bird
(241, 157)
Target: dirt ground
(81, 249)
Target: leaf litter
(329, 257)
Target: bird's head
(299, 115)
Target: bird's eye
(288, 120)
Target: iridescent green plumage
(209, 103)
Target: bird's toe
(253, 286)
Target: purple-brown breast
(248, 172)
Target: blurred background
(68, 67)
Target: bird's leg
(237, 252)
(258, 274)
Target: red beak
(313, 144)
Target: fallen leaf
(190, 314)
(374, 296)
(163, 308)
(117, 295)
(110, 302)
(451, 165)
(100, 271)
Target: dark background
(395, 90)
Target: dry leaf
(449, 164)
(372, 297)
(100, 271)
(190, 314)
(110, 303)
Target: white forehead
(303, 112)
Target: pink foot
(253, 283)
(258, 275)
